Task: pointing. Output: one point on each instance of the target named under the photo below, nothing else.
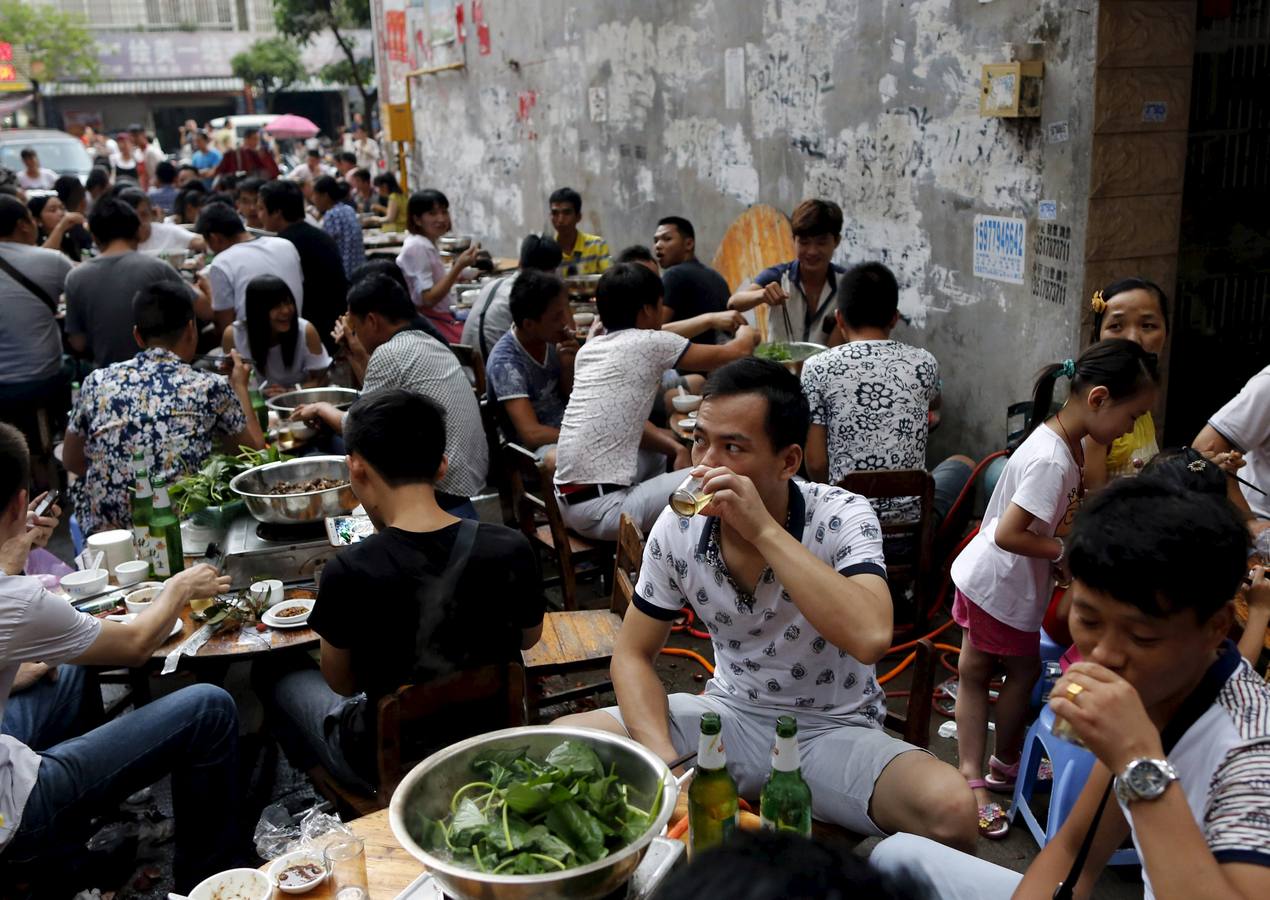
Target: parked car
(59, 151)
(234, 126)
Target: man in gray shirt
(99, 293)
(491, 316)
(30, 342)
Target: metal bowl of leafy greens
(533, 812)
(791, 354)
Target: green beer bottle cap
(710, 723)
(786, 727)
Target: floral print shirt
(341, 223)
(872, 398)
(154, 403)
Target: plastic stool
(77, 536)
(1050, 652)
(1071, 766)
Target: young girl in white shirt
(431, 283)
(1005, 576)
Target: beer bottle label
(710, 752)
(785, 754)
(159, 547)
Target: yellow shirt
(1138, 445)
(399, 224)
(590, 256)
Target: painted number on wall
(999, 248)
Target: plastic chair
(1051, 652)
(1071, 766)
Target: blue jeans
(192, 734)
(46, 714)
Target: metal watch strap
(1126, 793)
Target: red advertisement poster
(482, 27)
(6, 51)
(458, 22)
(395, 26)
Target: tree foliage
(303, 20)
(270, 65)
(52, 45)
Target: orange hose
(677, 830)
(913, 643)
(904, 664)
(676, 651)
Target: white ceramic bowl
(139, 601)
(296, 857)
(685, 402)
(131, 572)
(234, 884)
(85, 583)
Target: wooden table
(225, 644)
(389, 868)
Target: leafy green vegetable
(209, 486)
(776, 352)
(534, 817)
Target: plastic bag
(279, 832)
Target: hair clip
(1069, 368)
(1198, 465)
(1097, 304)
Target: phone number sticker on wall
(1000, 245)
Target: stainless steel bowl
(454, 243)
(340, 398)
(428, 787)
(800, 352)
(295, 509)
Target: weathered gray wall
(872, 103)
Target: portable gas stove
(254, 550)
(664, 855)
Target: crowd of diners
(785, 568)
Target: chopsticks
(789, 328)
(686, 758)
(1246, 483)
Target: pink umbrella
(291, 126)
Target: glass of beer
(689, 499)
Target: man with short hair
(807, 284)
(249, 157)
(790, 580)
(310, 168)
(692, 288)
(490, 316)
(345, 162)
(239, 258)
(151, 155)
(870, 396)
(99, 292)
(609, 458)
(464, 594)
(530, 370)
(638, 253)
(55, 783)
(386, 350)
(1178, 723)
(206, 157)
(155, 403)
(365, 148)
(162, 191)
(584, 254)
(33, 176)
(363, 194)
(247, 201)
(31, 280)
(1242, 426)
(325, 284)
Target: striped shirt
(590, 256)
(423, 365)
(1223, 765)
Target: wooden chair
(915, 568)
(470, 359)
(914, 725)
(417, 703)
(571, 552)
(499, 476)
(583, 640)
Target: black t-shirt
(368, 603)
(325, 286)
(693, 289)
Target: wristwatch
(1144, 779)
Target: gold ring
(1074, 689)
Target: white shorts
(841, 759)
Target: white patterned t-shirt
(765, 650)
(872, 398)
(615, 378)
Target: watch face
(1147, 779)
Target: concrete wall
(872, 103)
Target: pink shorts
(990, 635)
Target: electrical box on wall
(1011, 90)
(398, 122)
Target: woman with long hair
(285, 349)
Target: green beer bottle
(165, 535)
(142, 504)
(259, 408)
(712, 805)
(785, 804)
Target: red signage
(395, 26)
(6, 51)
